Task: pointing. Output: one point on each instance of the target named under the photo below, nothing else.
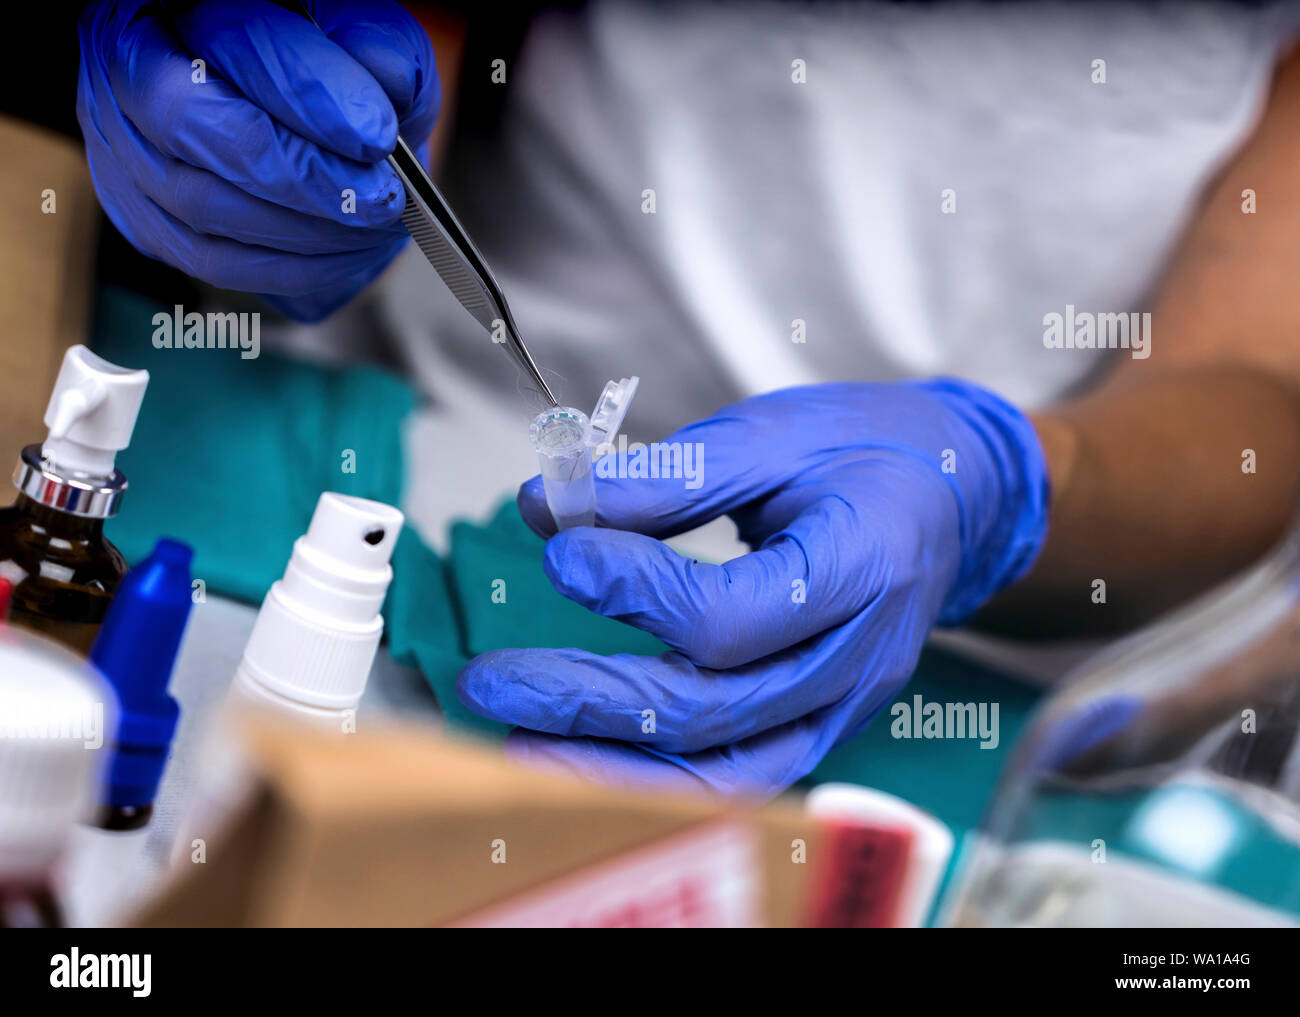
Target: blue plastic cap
(135, 651)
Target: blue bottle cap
(135, 651)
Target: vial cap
(611, 408)
(560, 432)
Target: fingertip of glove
(478, 678)
(375, 129)
(536, 514)
(570, 560)
(383, 202)
(401, 60)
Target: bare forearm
(1162, 485)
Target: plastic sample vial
(561, 437)
(315, 638)
(52, 545)
(567, 443)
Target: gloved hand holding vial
(861, 541)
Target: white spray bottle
(316, 635)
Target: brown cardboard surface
(46, 266)
(396, 827)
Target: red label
(860, 877)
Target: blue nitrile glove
(876, 510)
(239, 179)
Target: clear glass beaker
(1161, 785)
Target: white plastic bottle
(315, 638)
(56, 720)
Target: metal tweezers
(443, 240)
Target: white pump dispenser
(315, 637)
(90, 417)
(91, 414)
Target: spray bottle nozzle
(315, 637)
(74, 404)
(91, 414)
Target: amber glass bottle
(63, 569)
(52, 545)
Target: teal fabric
(506, 599)
(230, 456)
(425, 631)
(949, 777)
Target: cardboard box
(46, 272)
(402, 827)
